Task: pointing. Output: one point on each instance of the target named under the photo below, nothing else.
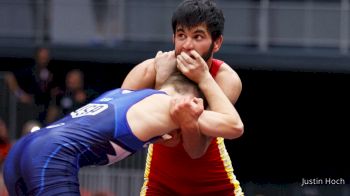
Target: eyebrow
(180, 29)
(199, 31)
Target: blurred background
(293, 57)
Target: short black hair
(191, 13)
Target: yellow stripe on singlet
(147, 170)
(228, 166)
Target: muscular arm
(230, 84)
(223, 121)
(194, 140)
(141, 76)
(197, 137)
(151, 73)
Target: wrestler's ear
(218, 43)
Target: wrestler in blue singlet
(46, 162)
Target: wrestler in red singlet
(170, 170)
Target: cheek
(202, 48)
(177, 50)
(177, 45)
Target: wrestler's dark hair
(191, 13)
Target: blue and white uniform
(46, 162)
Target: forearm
(194, 142)
(215, 97)
(215, 124)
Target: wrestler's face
(196, 38)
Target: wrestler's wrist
(205, 80)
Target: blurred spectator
(34, 85)
(5, 143)
(73, 96)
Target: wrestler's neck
(210, 62)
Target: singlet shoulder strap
(215, 66)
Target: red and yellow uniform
(171, 171)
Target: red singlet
(171, 171)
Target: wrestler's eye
(198, 37)
(181, 36)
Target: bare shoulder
(229, 81)
(227, 72)
(160, 98)
(157, 103)
(148, 63)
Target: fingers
(181, 66)
(167, 54)
(186, 58)
(198, 101)
(192, 58)
(198, 58)
(186, 109)
(185, 63)
(191, 61)
(198, 105)
(159, 53)
(181, 102)
(196, 55)
(191, 104)
(172, 53)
